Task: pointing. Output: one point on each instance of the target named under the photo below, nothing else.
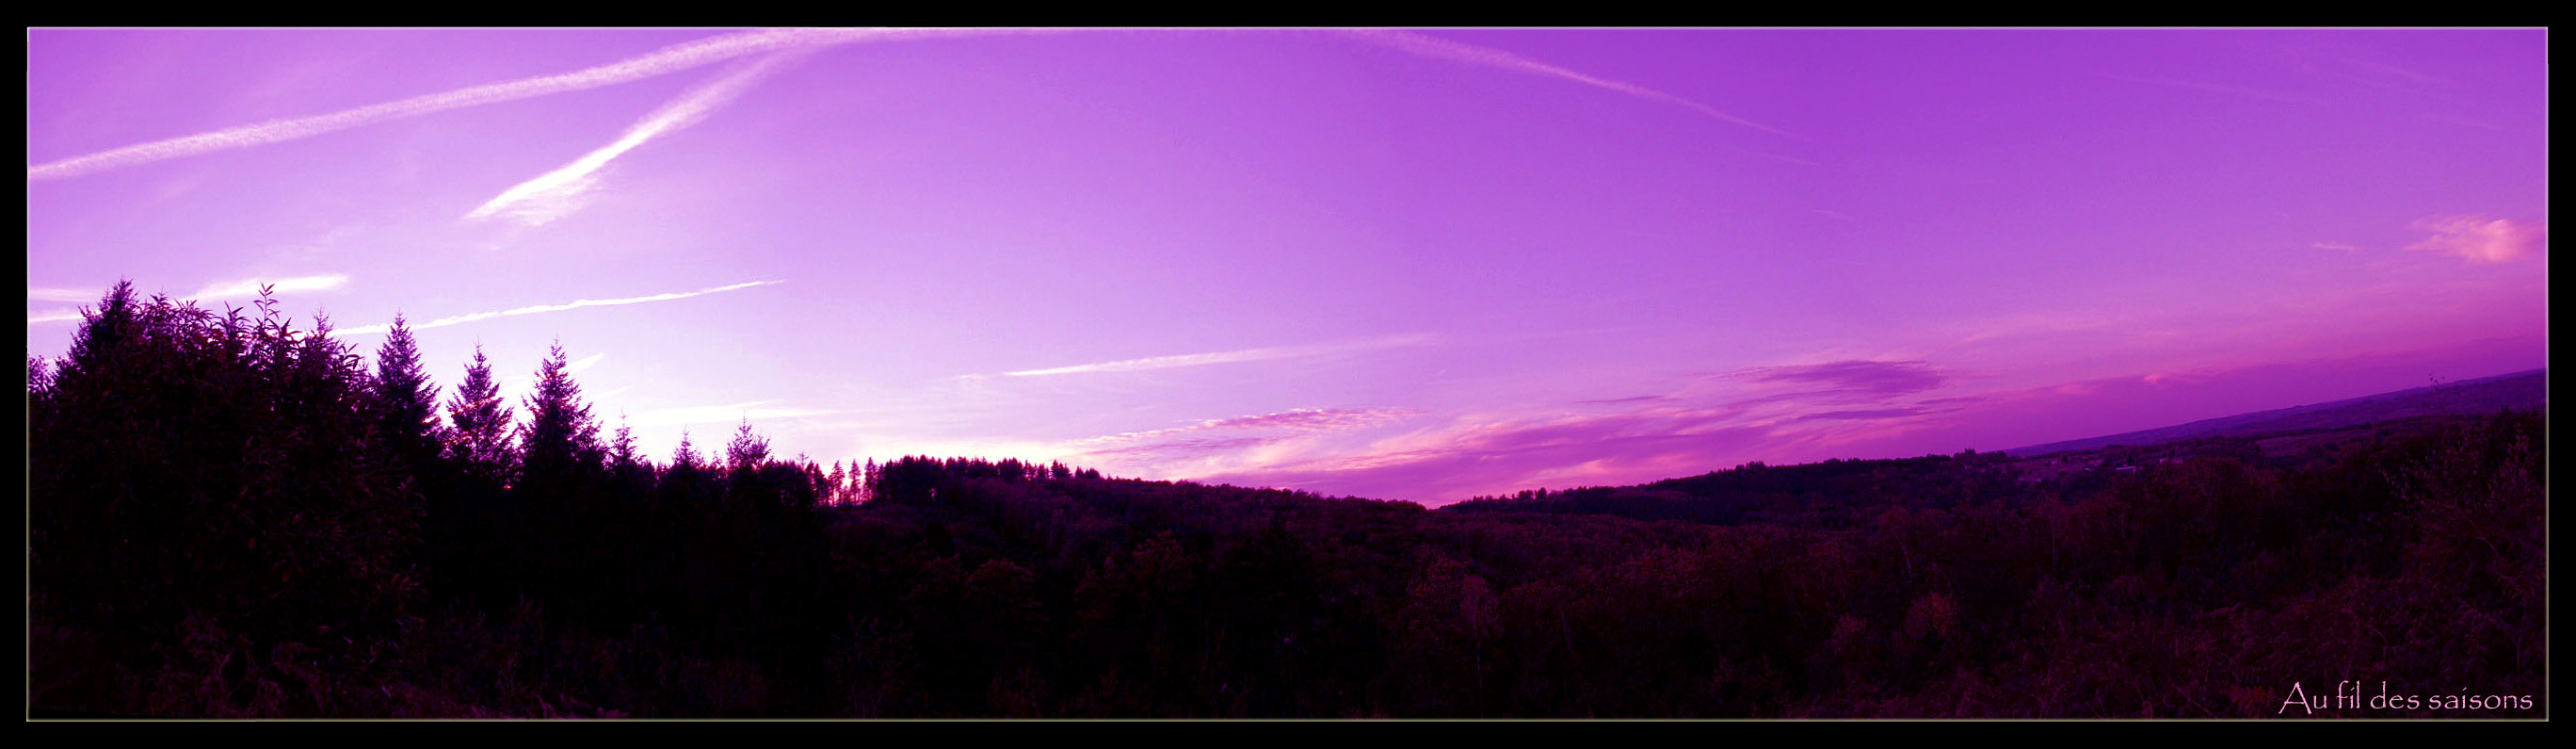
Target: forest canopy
(233, 517)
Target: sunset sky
(1419, 265)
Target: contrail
(1418, 44)
(699, 53)
(211, 291)
(1166, 362)
(720, 414)
(552, 192)
(247, 288)
(62, 295)
(667, 60)
(471, 317)
(1223, 357)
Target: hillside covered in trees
(230, 517)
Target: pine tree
(481, 440)
(561, 440)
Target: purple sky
(1411, 265)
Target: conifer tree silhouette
(625, 463)
(748, 450)
(686, 455)
(560, 443)
(406, 402)
(224, 470)
(481, 441)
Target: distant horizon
(1406, 265)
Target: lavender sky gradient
(1409, 265)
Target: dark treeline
(230, 517)
(1831, 494)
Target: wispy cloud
(1485, 454)
(664, 61)
(1294, 420)
(1873, 414)
(2213, 87)
(2337, 246)
(723, 414)
(1630, 399)
(1226, 357)
(583, 363)
(1233, 444)
(1879, 378)
(35, 294)
(530, 310)
(1180, 449)
(218, 290)
(1491, 453)
(2385, 69)
(1793, 409)
(229, 289)
(2481, 239)
(558, 192)
(1418, 44)
(712, 50)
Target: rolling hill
(2519, 391)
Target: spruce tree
(632, 471)
(748, 451)
(621, 451)
(685, 456)
(481, 441)
(406, 402)
(561, 441)
(218, 471)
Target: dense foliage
(233, 518)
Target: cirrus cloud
(1417, 44)
(560, 186)
(1855, 376)
(252, 286)
(671, 59)
(553, 194)
(534, 309)
(1228, 357)
(39, 294)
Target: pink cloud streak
(2481, 239)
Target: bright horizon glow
(1405, 264)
